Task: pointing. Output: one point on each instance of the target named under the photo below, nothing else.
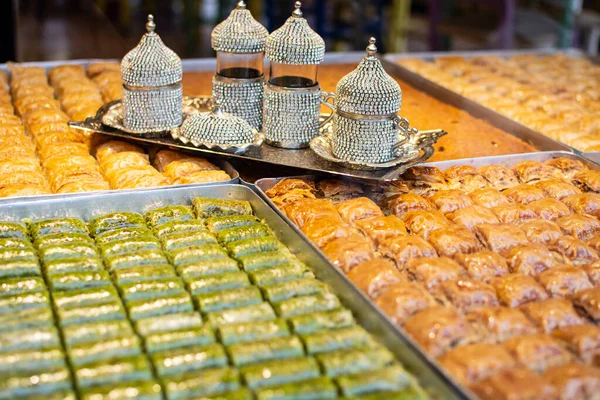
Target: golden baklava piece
(583, 340)
(488, 197)
(566, 168)
(515, 384)
(574, 381)
(338, 191)
(423, 222)
(401, 204)
(472, 216)
(448, 201)
(454, 239)
(538, 352)
(467, 294)
(379, 229)
(584, 203)
(532, 259)
(532, 171)
(403, 300)
(589, 302)
(424, 180)
(549, 209)
(524, 193)
(552, 314)
(564, 281)
(557, 189)
(348, 252)
(323, 229)
(304, 209)
(498, 176)
(431, 272)
(588, 181)
(581, 226)
(404, 248)
(501, 323)
(483, 265)
(514, 290)
(358, 208)
(501, 238)
(438, 329)
(375, 276)
(471, 363)
(575, 250)
(512, 213)
(465, 178)
(541, 231)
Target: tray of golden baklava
(491, 265)
(551, 92)
(190, 292)
(40, 154)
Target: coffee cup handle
(325, 97)
(404, 131)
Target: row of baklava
(555, 94)
(20, 170)
(108, 78)
(494, 300)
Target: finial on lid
(297, 12)
(150, 25)
(241, 5)
(371, 48)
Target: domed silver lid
(295, 42)
(216, 127)
(151, 63)
(368, 90)
(239, 33)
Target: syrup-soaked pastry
(375, 276)
(114, 163)
(514, 213)
(305, 209)
(114, 146)
(501, 322)
(532, 259)
(422, 222)
(483, 265)
(514, 290)
(488, 197)
(201, 177)
(401, 204)
(566, 168)
(404, 299)
(379, 229)
(593, 272)
(549, 209)
(583, 340)
(97, 68)
(467, 295)
(282, 187)
(473, 362)
(347, 252)
(337, 190)
(448, 201)
(552, 314)
(541, 231)
(584, 203)
(165, 157)
(358, 208)
(323, 229)
(588, 301)
(283, 200)
(46, 116)
(500, 238)
(187, 166)
(524, 193)
(537, 352)
(465, 178)
(581, 226)
(499, 176)
(564, 281)
(23, 178)
(431, 272)
(588, 181)
(404, 248)
(515, 384)
(473, 215)
(593, 242)
(574, 381)
(531, 171)
(557, 188)
(425, 180)
(575, 250)
(438, 329)
(23, 190)
(453, 240)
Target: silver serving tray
(262, 185)
(433, 381)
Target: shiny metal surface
(223, 164)
(436, 383)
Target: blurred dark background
(35, 30)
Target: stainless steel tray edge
(262, 185)
(223, 164)
(539, 141)
(86, 206)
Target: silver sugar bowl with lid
(366, 125)
(152, 91)
(293, 97)
(238, 84)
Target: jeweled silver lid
(151, 63)
(217, 127)
(295, 42)
(239, 33)
(368, 90)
